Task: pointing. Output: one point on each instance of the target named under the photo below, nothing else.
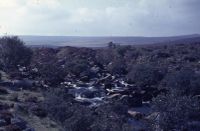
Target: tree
(111, 45)
(13, 52)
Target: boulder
(85, 79)
(105, 79)
(153, 116)
(136, 115)
(95, 69)
(114, 96)
(120, 91)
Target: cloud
(30, 16)
(100, 17)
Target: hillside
(116, 88)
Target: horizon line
(194, 34)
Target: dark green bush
(176, 112)
(78, 66)
(117, 66)
(52, 74)
(146, 75)
(121, 50)
(13, 52)
(104, 56)
(186, 82)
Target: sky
(100, 17)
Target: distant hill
(55, 41)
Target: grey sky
(100, 17)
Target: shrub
(78, 66)
(13, 52)
(132, 54)
(121, 50)
(117, 67)
(161, 54)
(104, 56)
(72, 116)
(192, 57)
(185, 82)
(176, 112)
(146, 75)
(56, 97)
(52, 74)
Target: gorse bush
(117, 67)
(13, 52)
(176, 112)
(185, 81)
(77, 66)
(52, 74)
(121, 50)
(179, 108)
(146, 75)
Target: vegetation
(146, 74)
(167, 76)
(13, 52)
(76, 117)
(185, 81)
(176, 112)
